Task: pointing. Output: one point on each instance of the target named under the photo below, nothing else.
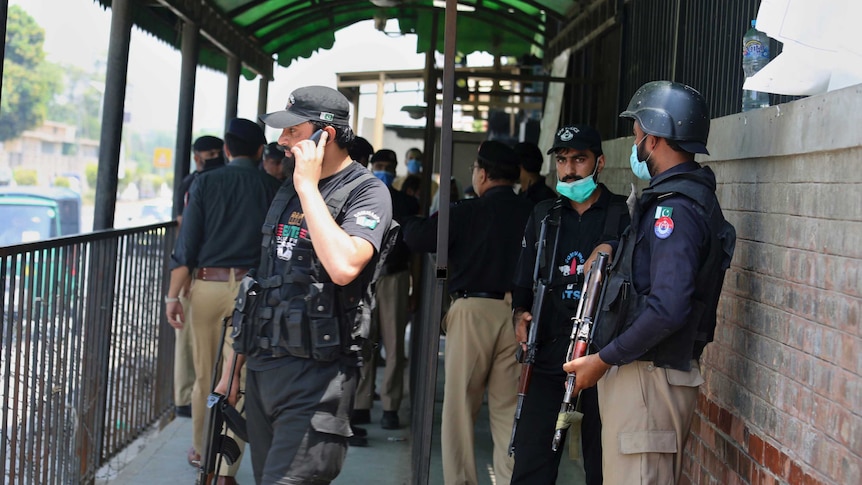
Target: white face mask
(639, 168)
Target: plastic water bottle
(755, 55)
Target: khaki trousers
(184, 364)
(479, 356)
(387, 327)
(210, 303)
(646, 417)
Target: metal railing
(87, 355)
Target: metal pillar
(4, 7)
(262, 92)
(186, 108)
(112, 114)
(378, 118)
(233, 70)
(429, 330)
(430, 118)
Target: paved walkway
(160, 456)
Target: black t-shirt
(367, 213)
(580, 234)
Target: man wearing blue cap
(216, 247)
(322, 237)
(484, 243)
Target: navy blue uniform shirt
(671, 242)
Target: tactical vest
(299, 311)
(620, 304)
(615, 211)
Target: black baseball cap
(360, 149)
(273, 150)
(578, 137)
(384, 155)
(246, 130)
(207, 142)
(495, 151)
(530, 156)
(311, 103)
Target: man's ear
(330, 133)
(600, 163)
(259, 154)
(227, 151)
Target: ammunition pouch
(247, 302)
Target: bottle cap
(753, 23)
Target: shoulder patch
(662, 211)
(663, 227)
(367, 219)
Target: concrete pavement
(160, 455)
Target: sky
(77, 32)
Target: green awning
(285, 30)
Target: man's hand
(309, 161)
(176, 316)
(587, 369)
(221, 387)
(601, 248)
(522, 320)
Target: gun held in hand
(582, 324)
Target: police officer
(661, 294)
(277, 163)
(207, 154)
(214, 250)
(389, 320)
(484, 241)
(585, 214)
(321, 237)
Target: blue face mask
(414, 166)
(579, 190)
(639, 168)
(384, 176)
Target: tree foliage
(79, 101)
(26, 176)
(29, 82)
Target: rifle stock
(579, 340)
(218, 444)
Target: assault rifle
(218, 444)
(582, 324)
(528, 357)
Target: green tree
(29, 82)
(91, 173)
(79, 101)
(25, 176)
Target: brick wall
(782, 402)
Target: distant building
(52, 150)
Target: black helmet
(674, 111)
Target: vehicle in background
(30, 214)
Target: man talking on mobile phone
(297, 330)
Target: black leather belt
(477, 294)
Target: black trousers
(298, 421)
(535, 463)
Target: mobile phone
(315, 137)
